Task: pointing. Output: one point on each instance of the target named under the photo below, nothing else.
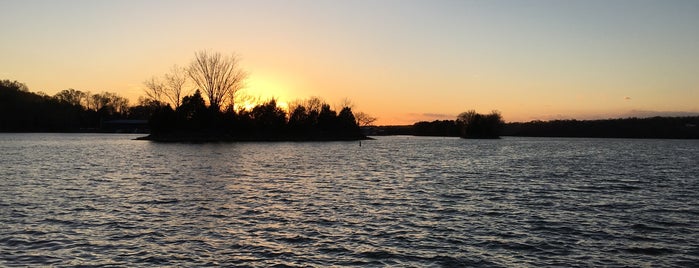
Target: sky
(400, 61)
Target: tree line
(468, 125)
(654, 127)
(73, 110)
(199, 102)
(310, 120)
(69, 110)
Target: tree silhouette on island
(220, 78)
(194, 121)
(214, 115)
(473, 125)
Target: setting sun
(260, 89)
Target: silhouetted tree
(21, 110)
(364, 119)
(193, 110)
(445, 128)
(155, 89)
(269, 119)
(72, 96)
(174, 85)
(18, 107)
(170, 87)
(478, 126)
(13, 85)
(219, 80)
(347, 123)
(109, 104)
(299, 121)
(327, 118)
(655, 127)
(218, 76)
(145, 109)
(311, 109)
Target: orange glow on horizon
(260, 89)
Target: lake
(107, 200)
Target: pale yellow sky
(401, 61)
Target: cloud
(437, 115)
(432, 115)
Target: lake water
(107, 200)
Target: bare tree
(292, 105)
(314, 104)
(154, 89)
(364, 119)
(218, 76)
(235, 96)
(345, 102)
(174, 83)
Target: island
(194, 121)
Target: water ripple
(93, 200)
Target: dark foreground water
(83, 200)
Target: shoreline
(216, 138)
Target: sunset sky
(401, 61)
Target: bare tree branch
(217, 76)
(154, 89)
(345, 102)
(363, 119)
(174, 84)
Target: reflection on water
(84, 199)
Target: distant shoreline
(630, 128)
